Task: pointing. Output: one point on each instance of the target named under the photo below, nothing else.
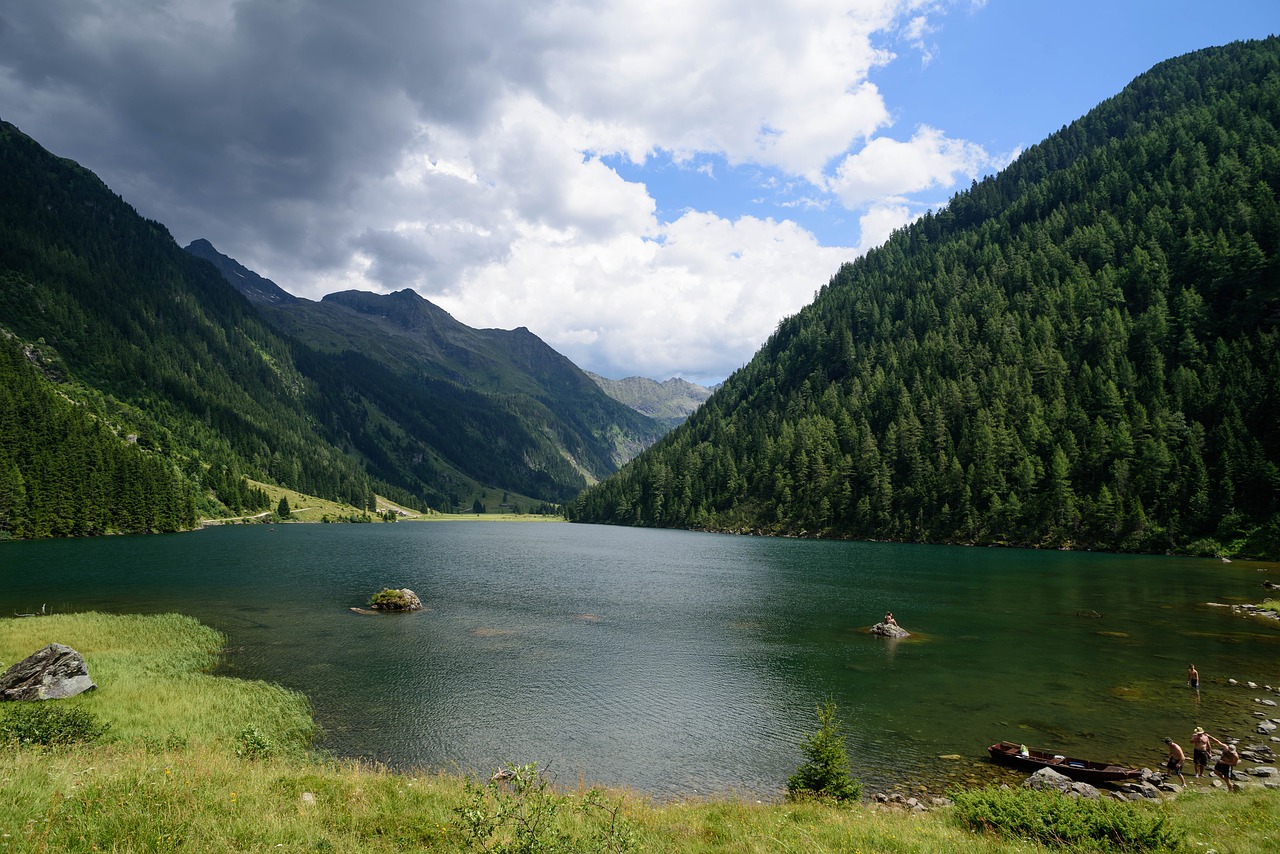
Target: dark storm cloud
(256, 123)
(397, 261)
(460, 147)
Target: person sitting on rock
(889, 620)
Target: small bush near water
(825, 773)
(1054, 819)
(42, 723)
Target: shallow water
(685, 664)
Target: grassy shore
(310, 508)
(197, 763)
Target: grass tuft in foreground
(1056, 819)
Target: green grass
(310, 508)
(153, 684)
(176, 772)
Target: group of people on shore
(1224, 768)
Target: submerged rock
(52, 673)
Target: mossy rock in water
(1114, 634)
(391, 599)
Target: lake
(687, 664)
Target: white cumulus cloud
(886, 168)
(462, 148)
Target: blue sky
(648, 185)
(1004, 74)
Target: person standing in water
(1227, 764)
(1193, 677)
(1200, 749)
(1176, 757)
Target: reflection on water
(681, 663)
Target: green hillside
(153, 344)
(178, 357)
(65, 470)
(1079, 352)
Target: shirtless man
(1175, 760)
(1226, 765)
(1200, 749)
(1193, 677)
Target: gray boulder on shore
(52, 673)
(1048, 779)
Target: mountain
(152, 341)
(670, 402)
(517, 373)
(258, 290)
(1081, 351)
(155, 347)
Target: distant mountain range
(354, 395)
(413, 338)
(669, 402)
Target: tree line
(65, 471)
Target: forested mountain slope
(65, 471)
(1081, 351)
(519, 375)
(169, 350)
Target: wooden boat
(1082, 770)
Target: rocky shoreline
(1257, 742)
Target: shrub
(514, 812)
(1052, 818)
(253, 744)
(825, 772)
(41, 723)
(519, 812)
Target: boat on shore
(1081, 770)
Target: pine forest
(1079, 352)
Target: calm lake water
(684, 664)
